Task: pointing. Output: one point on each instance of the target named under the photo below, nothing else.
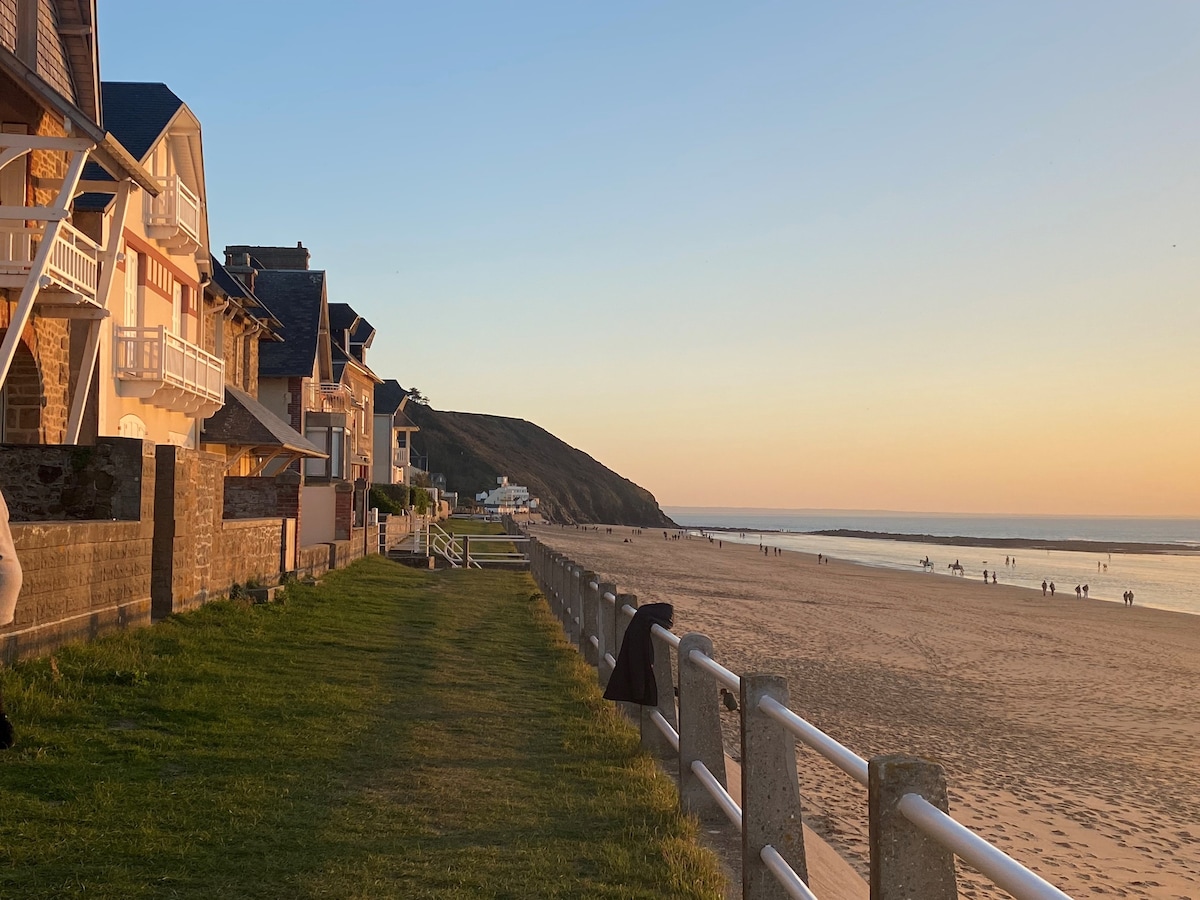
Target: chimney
(238, 265)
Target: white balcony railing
(174, 215)
(72, 265)
(168, 372)
(399, 457)
(329, 397)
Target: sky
(932, 256)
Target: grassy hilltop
(472, 449)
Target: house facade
(394, 432)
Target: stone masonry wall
(64, 481)
(248, 550)
(82, 579)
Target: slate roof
(231, 286)
(135, 113)
(389, 396)
(341, 317)
(244, 422)
(295, 297)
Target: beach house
(393, 435)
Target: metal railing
(471, 551)
(73, 262)
(176, 207)
(914, 840)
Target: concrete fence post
(620, 622)
(604, 617)
(905, 862)
(653, 740)
(591, 604)
(699, 730)
(574, 607)
(770, 791)
(556, 584)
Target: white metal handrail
(997, 865)
(842, 757)
(785, 875)
(728, 805)
(665, 727)
(714, 668)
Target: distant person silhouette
(1052, 589)
(1078, 592)
(993, 578)
(1085, 590)
(985, 581)
(1043, 587)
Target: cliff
(471, 450)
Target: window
(333, 442)
(131, 288)
(177, 310)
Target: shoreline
(1017, 543)
(887, 660)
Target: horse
(925, 564)
(956, 569)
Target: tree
(415, 395)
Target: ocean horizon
(1184, 531)
(1160, 580)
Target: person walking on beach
(1078, 592)
(818, 559)
(993, 577)
(985, 576)
(1131, 598)
(1052, 589)
(1085, 590)
(1043, 587)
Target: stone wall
(313, 560)
(65, 481)
(82, 579)
(249, 550)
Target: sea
(1168, 580)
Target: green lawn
(389, 733)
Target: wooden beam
(91, 350)
(236, 458)
(71, 311)
(20, 316)
(32, 213)
(45, 142)
(257, 470)
(10, 154)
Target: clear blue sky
(927, 256)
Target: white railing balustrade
(72, 265)
(471, 551)
(176, 208)
(153, 363)
(329, 397)
(914, 840)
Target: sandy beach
(1068, 728)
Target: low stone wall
(82, 579)
(312, 560)
(248, 550)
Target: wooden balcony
(167, 371)
(72, 266)
(174, 217)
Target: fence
(913, 839)
(470, 551)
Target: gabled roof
(341, 359)
(343, 319)
(389, 397)
(138, 112)
(244, 422)
(296, 297)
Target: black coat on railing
(633, 679)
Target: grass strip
(388, 733)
